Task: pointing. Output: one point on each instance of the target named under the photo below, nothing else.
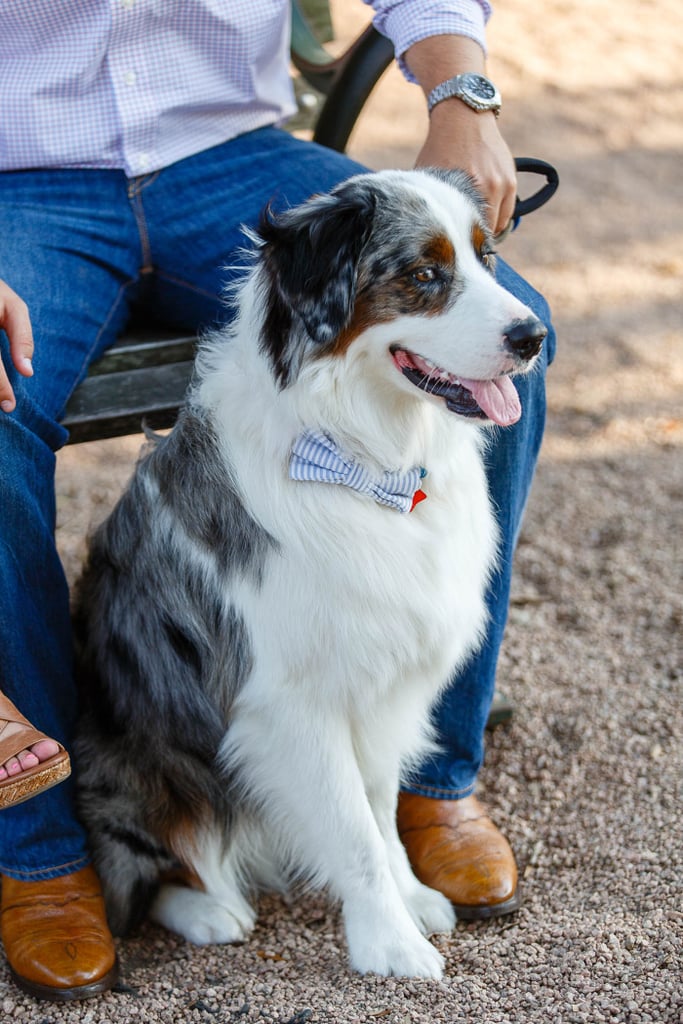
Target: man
(135, 139)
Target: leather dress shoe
(56, 936)
(454, 847)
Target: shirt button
(128, 4)
(130, 78)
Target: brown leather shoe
(454, 847)
(56, 936)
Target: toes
(44, 749)
(34, 755)
(25, 759)
(13, 766)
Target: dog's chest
(359, 594)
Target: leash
(530, 165)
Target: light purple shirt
(139, 84)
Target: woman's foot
(43, 750)
(30, 761)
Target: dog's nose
(525, 337)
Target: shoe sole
(487, 910)
(67, 995)
(33, 781)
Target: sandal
(30, 781)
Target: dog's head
(400, 265)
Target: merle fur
(310, 257)
(146, 623)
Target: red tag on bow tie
(417, 498)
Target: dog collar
(316, 456)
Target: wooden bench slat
(113, 404)
(145, 347)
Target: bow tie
(315, 456)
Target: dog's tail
(144, 821)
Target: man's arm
(436, 40)
(459, 136)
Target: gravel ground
(586, 781)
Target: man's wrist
(433, 60)
(470, 88)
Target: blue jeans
(84, 248)
(462, 713)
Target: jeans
(511, 456)
(84, 249)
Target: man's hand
(15, 321)
(459, 136)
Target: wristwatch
(473, 89)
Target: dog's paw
(197, 917)
(398, 950)
(415, 959)
(431, 911)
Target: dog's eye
(425, 275)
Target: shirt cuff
(406, 22)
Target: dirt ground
(587, 780)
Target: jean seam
(88, 358)
(161, 276)
(135, 187)
(114, 306)
(56, 871)
(142, 181)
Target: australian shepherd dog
(297, 570)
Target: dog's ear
(311, 255)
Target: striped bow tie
(315, 456)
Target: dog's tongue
(498, 398)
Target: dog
(296, 571)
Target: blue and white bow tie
(315, 456)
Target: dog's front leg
(300, 764)
(382, 932)
(379, 759)
(430, 910)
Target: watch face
(479, 87)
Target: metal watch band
(452, 87)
